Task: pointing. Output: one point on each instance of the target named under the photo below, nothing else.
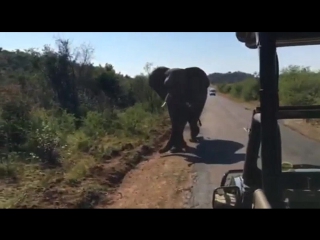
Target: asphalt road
(224, 142)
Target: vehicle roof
(283, 39)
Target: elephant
(185, 93)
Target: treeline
(297, 86)
(229, 77)
(57, 108)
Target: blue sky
(128, 52)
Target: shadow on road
(213, 152)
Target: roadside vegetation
(69, 131)
(297, 86)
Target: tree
(148, 68)
(109, 67)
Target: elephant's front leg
(176, 142)
(178, 118)
(179, 144)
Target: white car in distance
(212, 92)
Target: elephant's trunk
(166, 100)
(188, 104)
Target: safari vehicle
(277, 184)
(212, 92)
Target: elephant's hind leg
(194, 128)
(194, 117)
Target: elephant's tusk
(165, 100)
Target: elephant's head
(169, 84)
(182, 86)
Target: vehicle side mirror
(229, 175)
(226, 197)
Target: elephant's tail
(200, 123)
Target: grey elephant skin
(185, 93)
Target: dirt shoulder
(153, 181)
(156, 183)
(163, 181)
(309, 129)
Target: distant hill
(229, 77)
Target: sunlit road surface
(224, 131)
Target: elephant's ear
(156, 81)
(198, 76)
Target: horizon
(128, 52)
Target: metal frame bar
(292, 114)
(250, 173)
(269, 104)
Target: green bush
(133, 120)
(250, 90)
(297, 86)
(14, 118)
(97, 124)
(224, 88)
(236, 90)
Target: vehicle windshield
(300, 138)
(299, 142)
